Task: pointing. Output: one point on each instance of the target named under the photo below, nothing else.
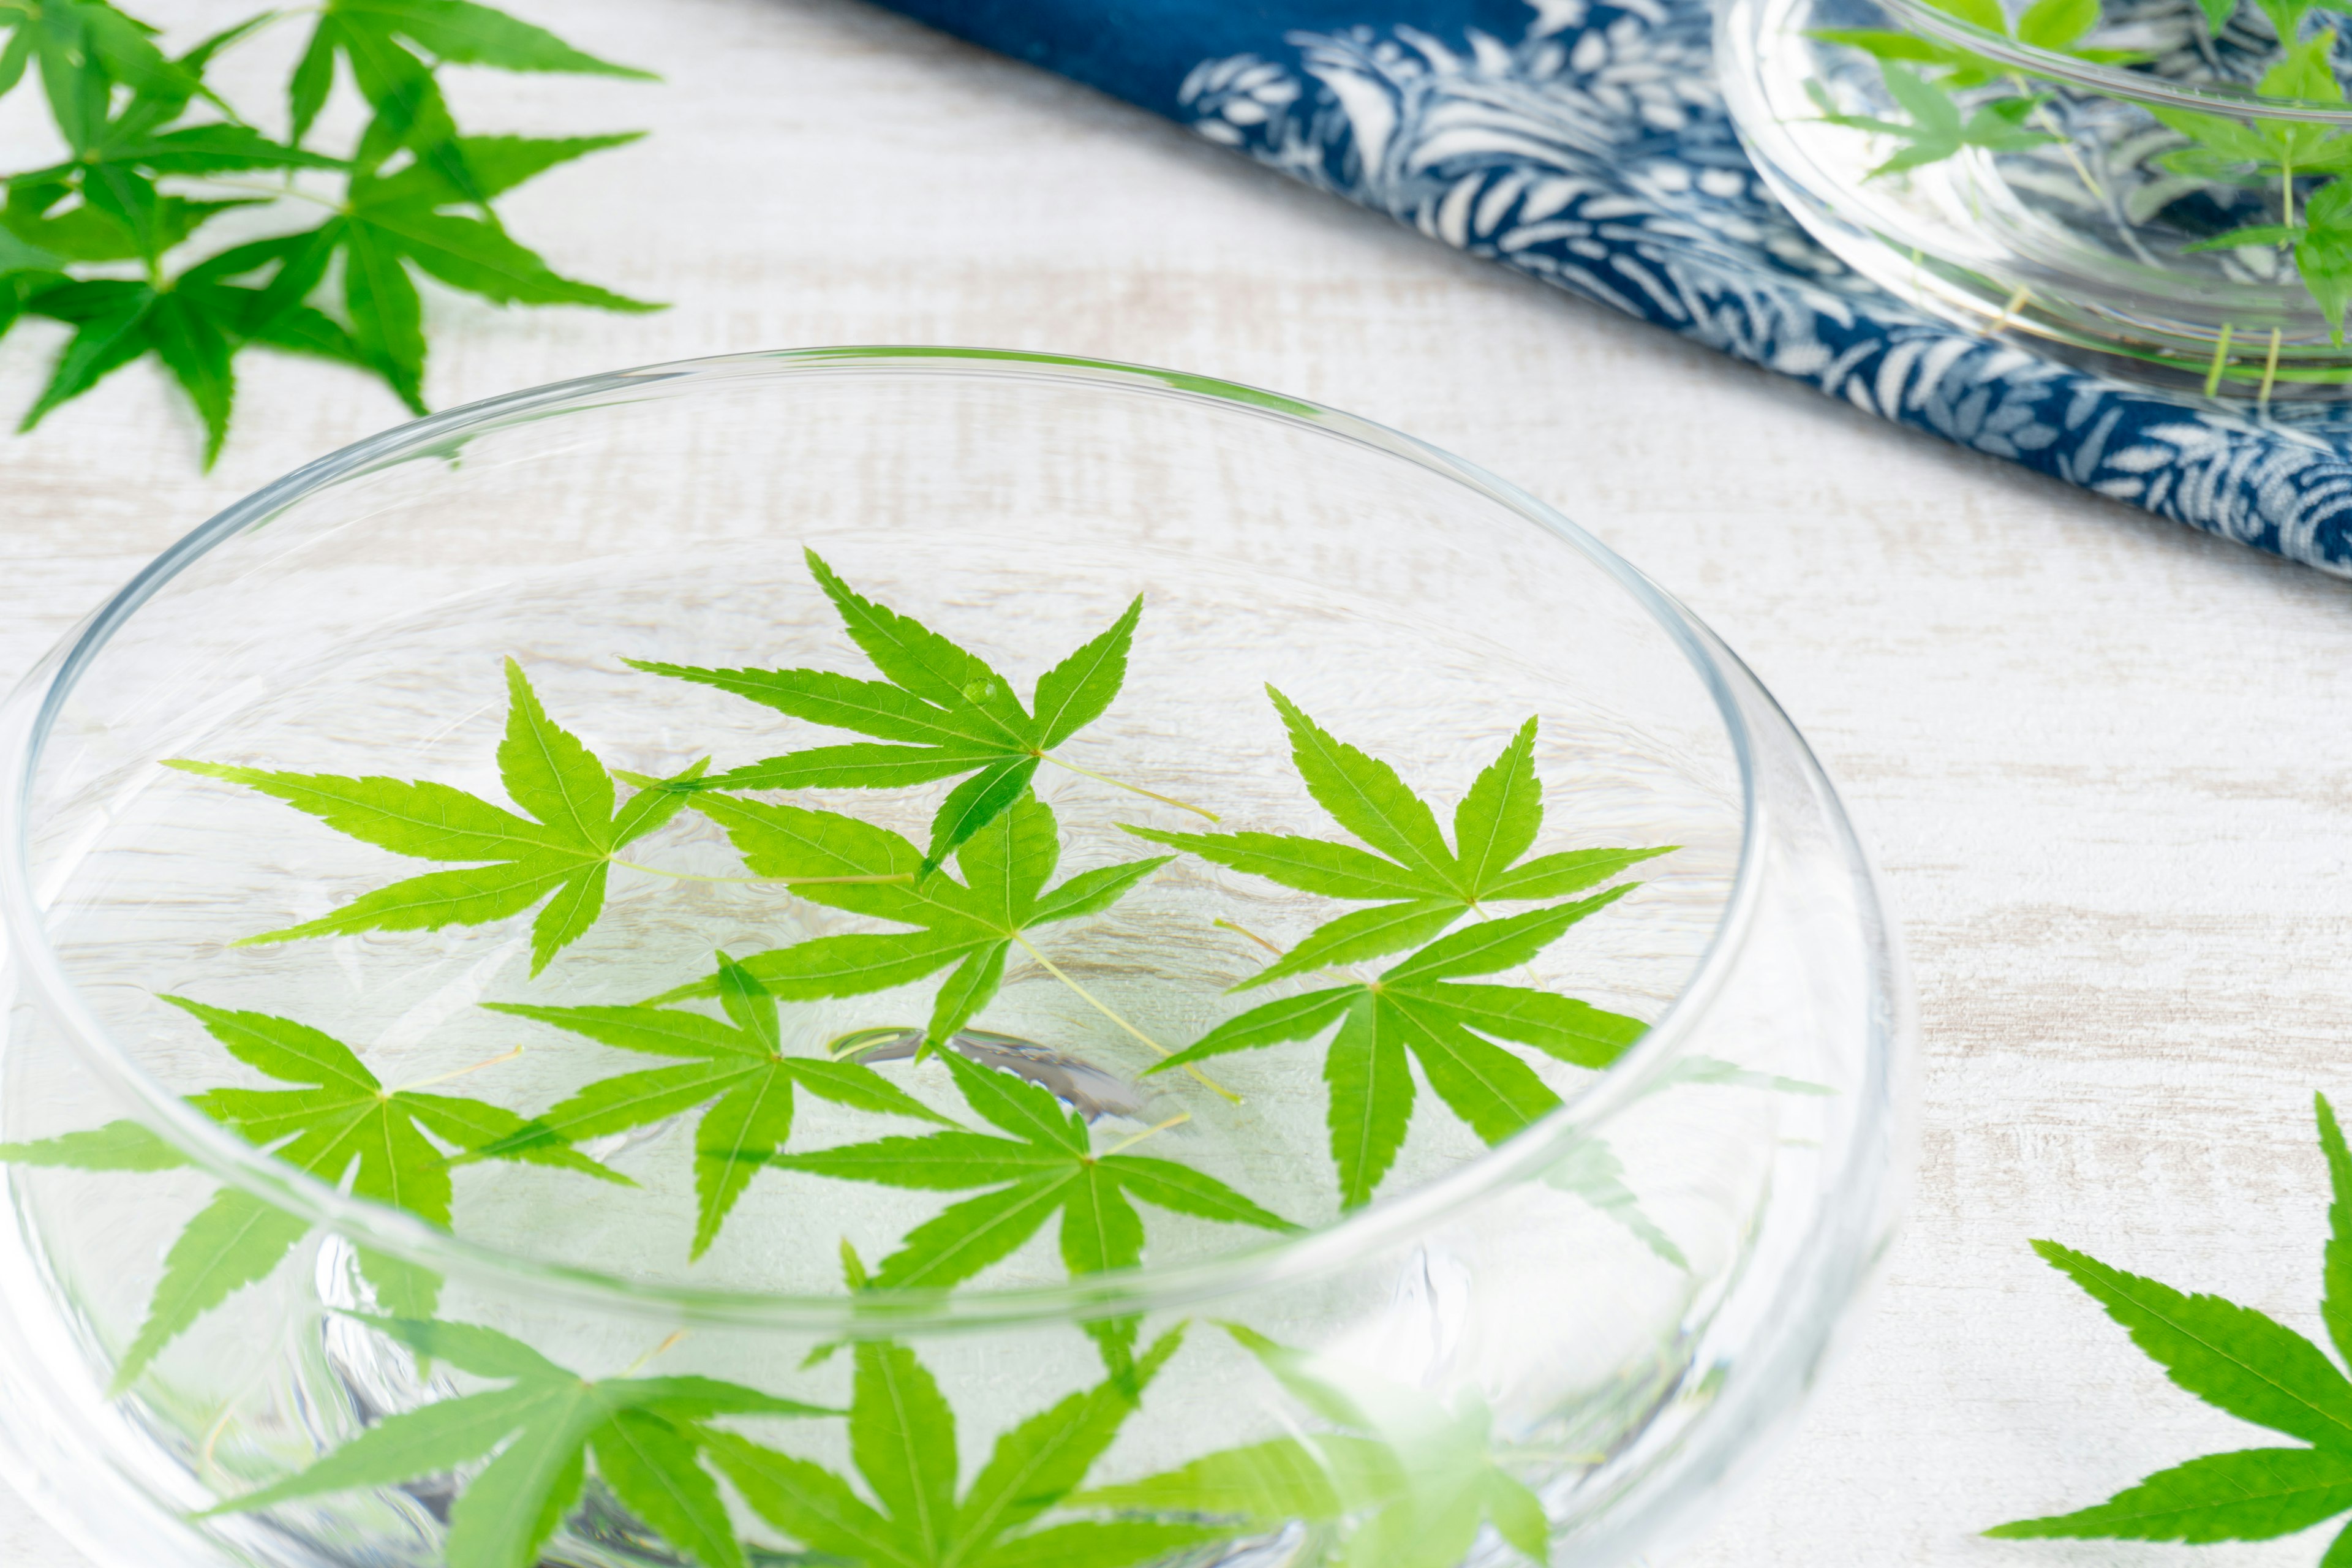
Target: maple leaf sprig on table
(648, 1436)
(1417, 883)
(393, 1144)
(2255, 1368)
(134, 187)
(561, 854)
(941, 710)
(1418, 1478)
(739, 1065)
(1047, 1165)
(902, 1441)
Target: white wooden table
(2103, 760)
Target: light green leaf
(2232, 1357)
(1372, 1100)
(1365, 796)
(2255, 1494)
(644, 1432)
(1076, 692)
(1487, 1085)
(652, 1468)
(117, 1146)
(737, 1062)
(1360, 935)
(1045, 1166)
(2336, 1294)
(902, 1436)
(1498, 819)
(236, 1240)
(946, 712)
(560, 855)
(1309, 865)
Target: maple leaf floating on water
(560, 854)
(942, 710)
(1420, 1006)
(2245, 1362)
(345, 1124)
(869, 870)
(646, 1436)
(902, 1441)
(1419, 885)
(1047, 1166)
(740, 1064)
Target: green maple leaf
(942, 708)
(564, 849)
(116, 160)
(117, 155)
(902, 1440)
(1420, 1007)
(2243, 1361)
(391, 1145)
(2058, 26)
(972, 925)
(2323, 248)
(2262, 150)
(26, 270)
(1936, 129)
(194, 323)
(1419, 1480)
(740, 1064)
(82, 49)
(392, 226)
(387, 44)
(1047, 1166)
(646, 1436)
(1418, 884)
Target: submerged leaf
(342, 1126)
(902, 1443)
(648, 1435)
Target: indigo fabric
(1583, 141)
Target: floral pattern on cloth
(1593, 152)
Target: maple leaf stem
(1131, 789)
(1237, 926)
(461, 1072)
(637, 1365)
(1124, 1144)
(1097, 1004)
(697, 876)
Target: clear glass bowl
(2135, 185)
(1593, 1318)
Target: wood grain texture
(2103, 760)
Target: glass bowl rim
(30, 712)
(2111, 81)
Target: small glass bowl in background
(1636, 1288)
(2131, 185)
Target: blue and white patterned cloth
(1584, 142)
